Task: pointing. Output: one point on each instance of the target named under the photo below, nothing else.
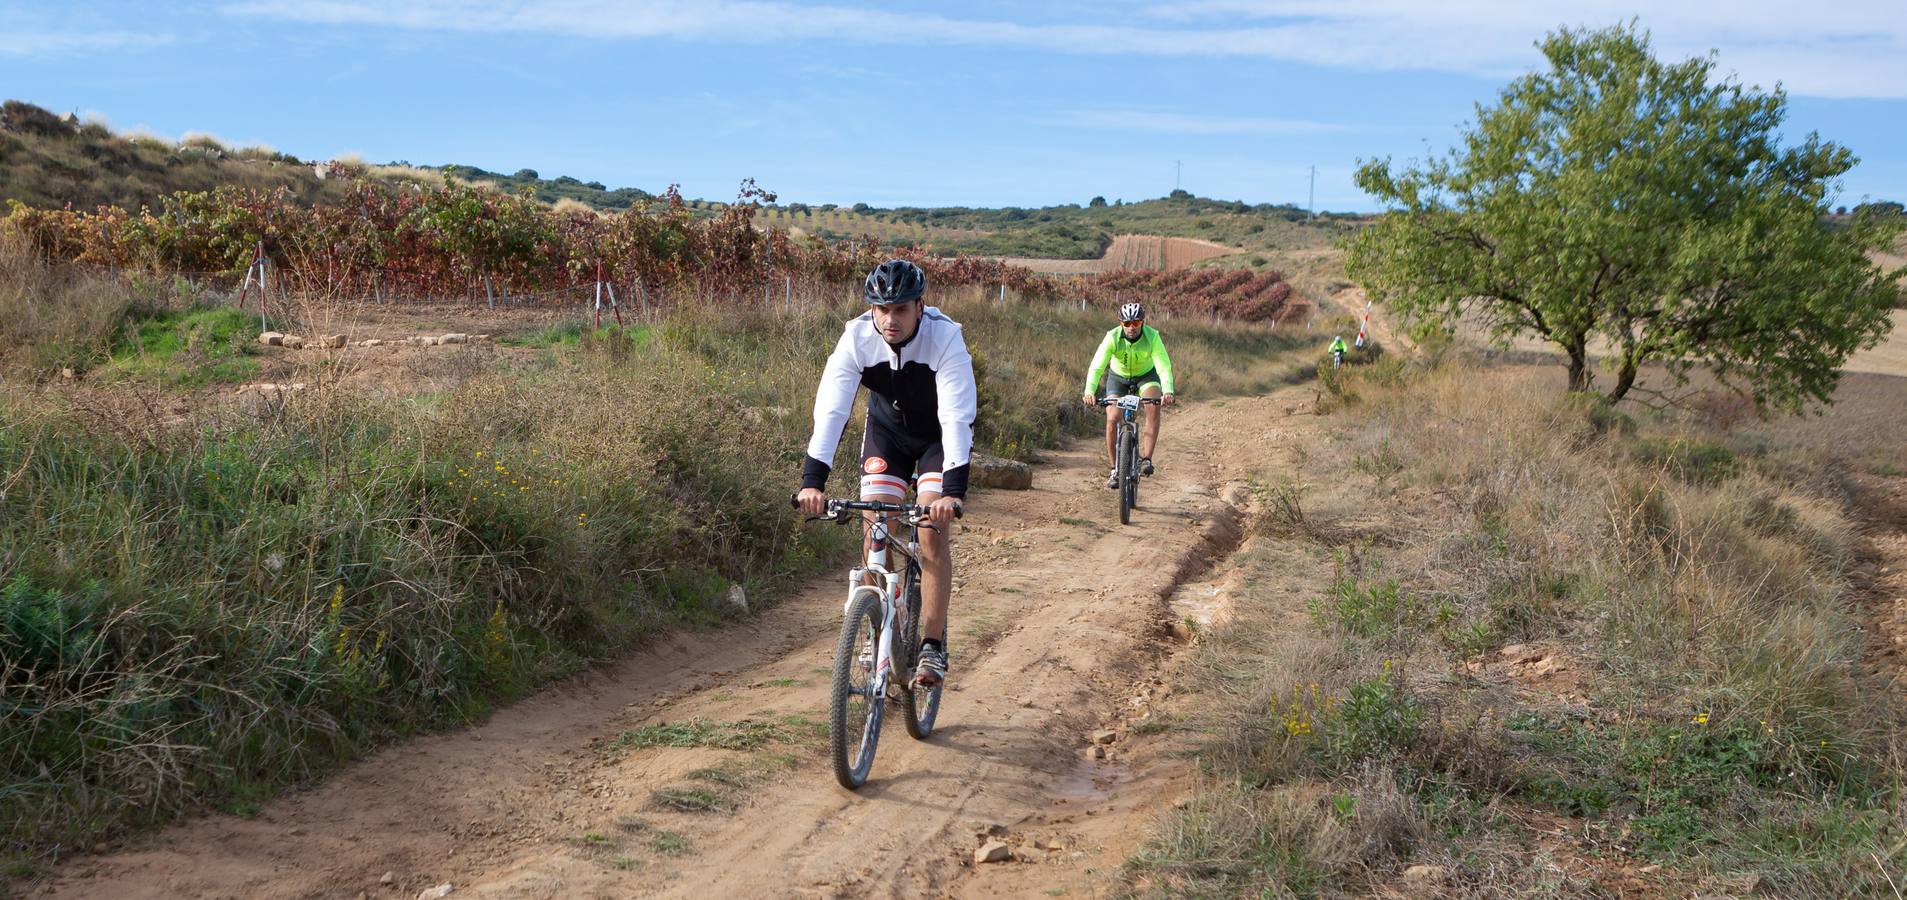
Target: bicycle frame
(889, 592)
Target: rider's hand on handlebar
(941, 513)
(1170, 399)
(1088, 399)
(812, 501)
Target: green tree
(1646, 208)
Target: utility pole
(1311, 199)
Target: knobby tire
(920, 704)
(854, 729)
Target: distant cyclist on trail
(920, 407)
(1337, 351)
(1136, 355)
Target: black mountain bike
(1126, 450)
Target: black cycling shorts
(891, 461)
(1120, 385)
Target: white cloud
(63, 43)
(1178, 123)
(1851, 48)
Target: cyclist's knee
(1152, 390)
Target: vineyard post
(256, 270)
(642, 297)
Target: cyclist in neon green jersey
(1136, 356)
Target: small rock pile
(339, 341)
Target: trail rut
(1061, 618)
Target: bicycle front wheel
(854, 711)
(1128, 474)
(921, 704)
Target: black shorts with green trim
(1120, 385)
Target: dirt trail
(1060, 625)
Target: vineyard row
(460, 240)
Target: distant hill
(1068, 231)
(49, 160)
(552, 190)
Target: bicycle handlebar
(838, 509)
(1111, 401)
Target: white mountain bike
(880, 641)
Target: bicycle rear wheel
(854, 713)
(921, 704)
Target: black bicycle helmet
(894, 281)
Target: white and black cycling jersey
(922, 389)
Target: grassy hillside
(51, 161)
(352, 565)
(1550, 649)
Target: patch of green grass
(1381, 462)
(596, 839)
(1380, 610)
(1692, 460)
(576, 332)
(694, 799)
(1707, 794)
(671, 843)
(626, 863)
(784, 682)
(744, 734)
(189, 349)
(1072, 520)
(1154, 725)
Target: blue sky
(983, 103)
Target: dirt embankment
(1132, 251)
(696, 768)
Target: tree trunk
(1580, 375)
(1626, 378)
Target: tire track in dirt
(1060, 623)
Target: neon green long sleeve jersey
(1129, 358)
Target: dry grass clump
(428, 177)
(54, 318)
